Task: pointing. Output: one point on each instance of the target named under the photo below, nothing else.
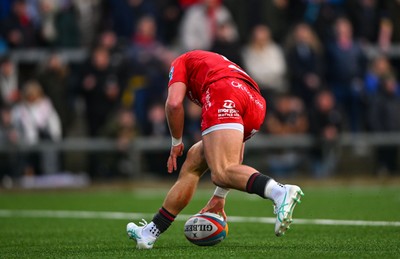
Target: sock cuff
(268, 189)
(163, 219)
(250, 182)
(167, 214)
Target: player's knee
(195, 162)
(191, 152)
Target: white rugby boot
(284, 206)
(135, 232)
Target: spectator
(157, 127)
(48, 32)
(8, 138)
(5, 9)
(305, 63)
(123, 129)
(392, 8)
(157, 124)
(187, 3)
(109, 41)
(379, 68)
(3, 46)
(35, 120)
(264, 60)
(33, 12)
(120, 62)
(53, 76)
(169, 16)
(325, 125)
(275, 14)
(346, 68)
(385, 36)
(145, 46)
(227, 43)
(8, 133)
(192, 130)
(151, 60)
(35, 117)
(9, 92)
(322, 15)
(288, 118)
(125, 14)
(18, 28)
(88, 18)
(246, 15)
(365, 17)
(67, 27)
(100, 89)
(200, 22)
(384, 117)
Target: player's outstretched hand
(215, 205)
(175, 152)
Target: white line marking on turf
(131, 216)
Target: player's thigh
(195, 162)
(223, 148)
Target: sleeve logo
(171, 73)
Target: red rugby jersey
(197, 69)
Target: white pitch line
(131, 216)
(336, 222)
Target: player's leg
(222, 149)
(177, 198)
(182, 191)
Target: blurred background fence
(357, 160)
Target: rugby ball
(206, 229)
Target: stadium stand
(95, 58)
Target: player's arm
(217, 202)
(174, 111)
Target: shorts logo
(229, 104)
(207, 103)
(236, 84)
(247, 91)
(228, 111)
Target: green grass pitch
(64, 237)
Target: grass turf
(104, 238)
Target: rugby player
(232, 111)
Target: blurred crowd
(309, 58)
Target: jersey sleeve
(177, 72)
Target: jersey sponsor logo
(171, 73)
